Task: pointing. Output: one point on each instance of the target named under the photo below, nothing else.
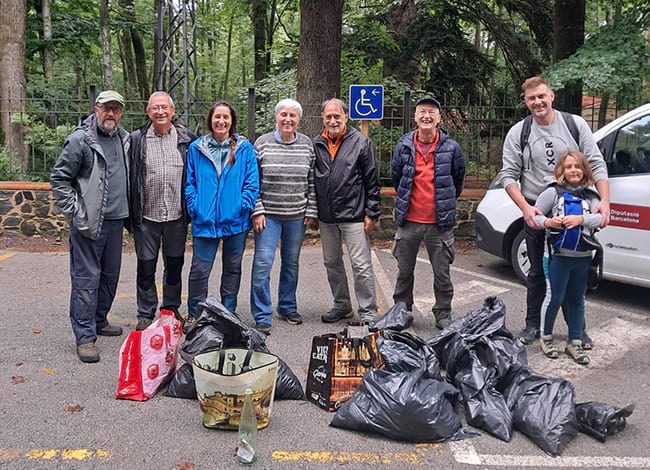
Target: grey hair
(288, 103)
(162, 93)
(341, 103)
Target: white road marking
(612, 339)
(464, 452)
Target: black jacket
(137, 169)
(347, 188)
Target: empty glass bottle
(247, 431)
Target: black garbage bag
(600, 420)
(403, 406)
(217, 328)
(486, 321)
(287, 385)
(182, 383)
(397, 318)
(404, 352)
(543, 408)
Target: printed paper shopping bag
(148, 358)
(337, 364)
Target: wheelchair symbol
(363, 106)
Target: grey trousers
(356, 241)
(440, 247)
(148, 238)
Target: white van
(625, 144)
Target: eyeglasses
(159, 107)
(111, 109)
(432, 112)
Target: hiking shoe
(143, 323)
(292, 318)
(88, 352)
(574, 349)
(110, 330)
(265, 328)
(335, 315)
(548, 347)
(528, 335)
(587, 342)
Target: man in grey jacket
(89, 185)
(530, 166)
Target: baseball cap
(429, 100)
(109, 95)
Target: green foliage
(612, 61)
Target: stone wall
(27, 209)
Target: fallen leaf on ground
(18, 364)
(17, 379)
(48, 371)
(36, 331)
(186, 466)
(73, 408)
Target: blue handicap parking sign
(366, 102)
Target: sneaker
(335, 315)
(110, 330)
(587, 342)
(264, 328)
(548, 346)
(88, 352)
(574, 349)
(528, 335)
(443, 323)
(177, 314)
(143, 323)
(292, 318)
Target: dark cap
(429, 100)
(109, 95)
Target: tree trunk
(107, 61)
(259, 38)
(48, 56)
(12, 79)
(319, 58)
(226, 76)
(568, 36)
(128, 65)
(405, 66)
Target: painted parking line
(11, 455)
(464, 452)
(6, 256)
(613, 339)
(419, 458)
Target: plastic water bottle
(247, 431)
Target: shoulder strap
(571, 125)
(525, 132)
(528, 122)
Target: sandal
(577, 353)
(548, 347)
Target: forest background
(471, 55)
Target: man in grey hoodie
(549, 137)
(89, 185)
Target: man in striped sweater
(286, 203)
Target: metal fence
(479, 128)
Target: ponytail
(233, 144)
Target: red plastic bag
(148, 358)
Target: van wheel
(519, 257)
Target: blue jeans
(568, 278)
(204, 253)
(290, 232)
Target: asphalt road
(59, 413)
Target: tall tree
(48, 54)
(568, 36)
(319, 58)
(12, 77)
(259, 38)
(107, 61)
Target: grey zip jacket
(79, 181)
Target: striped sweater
(286, 177)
